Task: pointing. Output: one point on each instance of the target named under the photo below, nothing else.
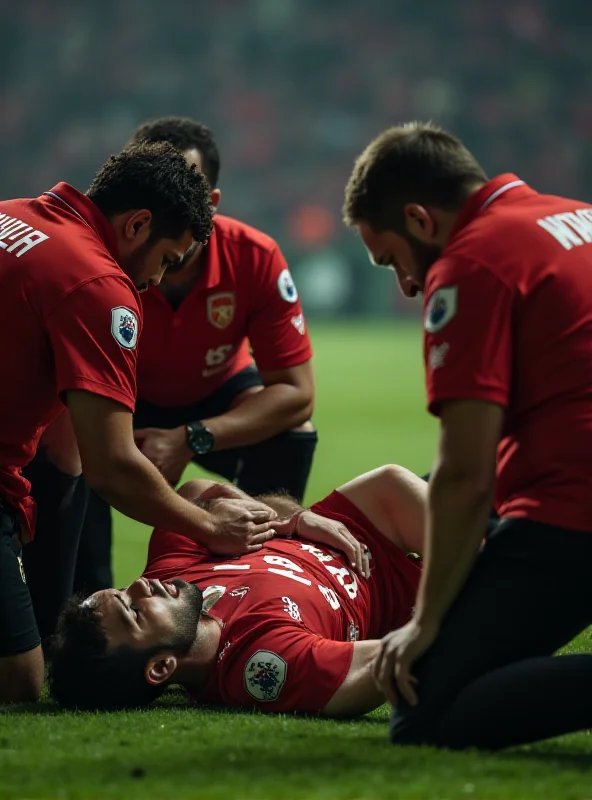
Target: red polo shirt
(69, 320)
(245, 295)
(508, 320)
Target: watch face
(201, 439)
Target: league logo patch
(124, 327)
(265, 674)
(441, 309)
(221, 308)
(286, 287)
(298, 323)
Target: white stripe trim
(501, 190)
(231, 566)
(61, 199)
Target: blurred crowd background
(293, 90)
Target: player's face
(407, 255)
(146, 262)
(150, 614)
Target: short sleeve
(287, 669)
(276, 328)
(467, 335)
(93, 333)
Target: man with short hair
(202, 395)
(507, 276)
(71, 266)
(294, 628)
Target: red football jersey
(244, 295)
(508, 319)
(70, 320)
(290, 612)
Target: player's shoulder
(243, 237)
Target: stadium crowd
(293, 90)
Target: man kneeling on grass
(293, 626)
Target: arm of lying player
(284, 403)
(115, 468)
(460, 494)
(358, 694)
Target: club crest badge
(265, 675)
(441, 308)
(221, 308)
(124, 327)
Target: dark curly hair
(184, 134)
(85, 675)
(156, 177)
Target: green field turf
(370, 411)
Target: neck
(196, 667)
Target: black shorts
(18, 629)
(147, 415)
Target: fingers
(405, 681)
(354, 551)
(383, 673)
(257, 534)
(259, 517)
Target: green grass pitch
(370, 411)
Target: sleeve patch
(287, 287)
(265, 675)
(124, 327)
(440, 309)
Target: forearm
(456, 520)
(276, 408)
(137, 489)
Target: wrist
(199, 439)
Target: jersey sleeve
(467, 335)
(286, 669)
(93, 333)
(277, 329)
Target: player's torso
(544, 455)
(187, 352)
(322, 593)
(33, 281)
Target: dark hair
(184, 134)
(412, 163)
(83, 674)
(156, 177)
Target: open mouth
(171, 589)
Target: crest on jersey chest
(221, 308)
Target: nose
(139, 589)
(407, 285)
(156, 279)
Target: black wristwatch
(199, 438)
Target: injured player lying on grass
(293, 627)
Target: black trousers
(491, 680)
(280, 463)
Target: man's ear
(160, 669)
(419, 222)
(137, 226)
(215, 199)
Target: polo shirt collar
(83, 207)
(500, 189)
(210, 276)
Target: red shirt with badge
(70, 320)
(245, 295)
(290, 612)
(508, 320)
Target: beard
(185, 616)
(424, 255)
